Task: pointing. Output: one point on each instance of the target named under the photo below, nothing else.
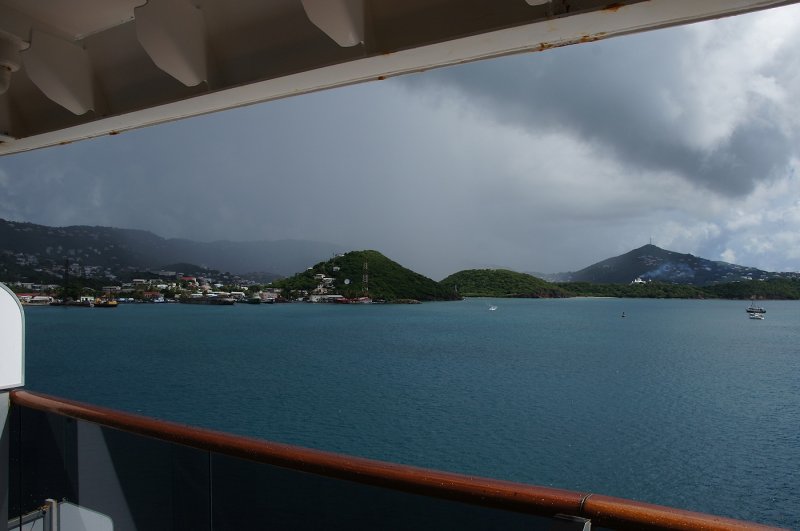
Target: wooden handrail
(606, 511)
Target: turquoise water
(682, 403)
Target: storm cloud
(712, 103)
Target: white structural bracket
(12, 340)
(341, 20)
(173, 33)
(61, 70)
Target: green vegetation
(501, 283)
(387, 280)
(777, 288)
(649, 290)
(504, 283)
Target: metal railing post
(5, 465)
(50, 515)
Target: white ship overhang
(75, 69)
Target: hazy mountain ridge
(32, 246)
(651, 263)
(33, 252)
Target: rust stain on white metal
(612, 8)
(542, 46)
(592, 38)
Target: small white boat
(492, 308)
(753, 309)
(758, 316)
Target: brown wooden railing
(604, 511)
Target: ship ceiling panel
(401, 27)
(127, 78)
(75, 19)
(258, 50)
(266, 45)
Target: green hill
(501, 283)
(386, 279)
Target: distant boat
(80, 304)
(492, 308)
(38, 300)
(753, 309)
(105, 303)
(623, 314)
(214, 301)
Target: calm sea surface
(682, 403)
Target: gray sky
(540, 162)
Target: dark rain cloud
(624, 94)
